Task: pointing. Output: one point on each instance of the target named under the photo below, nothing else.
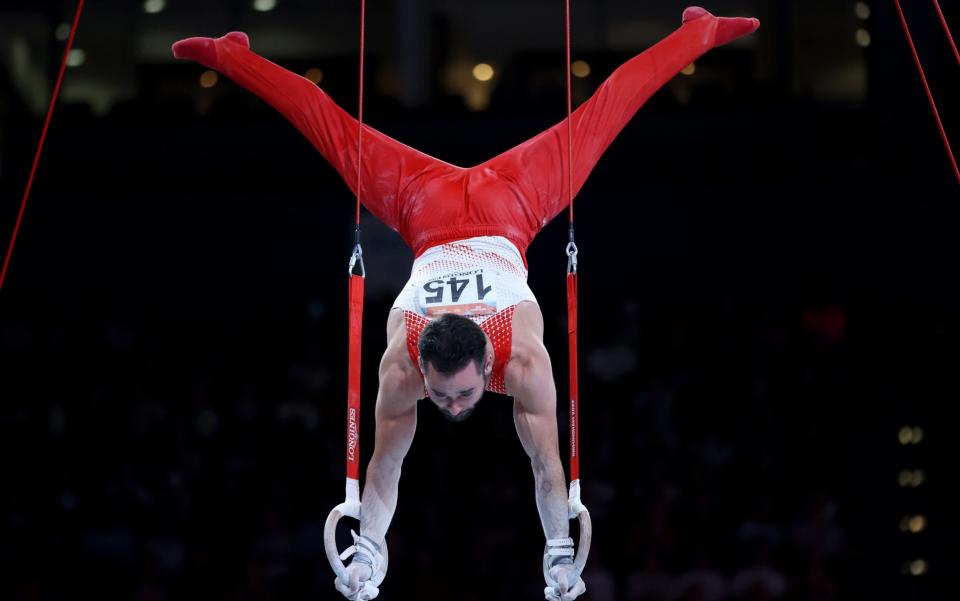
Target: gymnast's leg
(538, 166)
(388, 165)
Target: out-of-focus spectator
(760, 580)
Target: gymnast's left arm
(529, 378)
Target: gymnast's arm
(396, 422)
(529, 379)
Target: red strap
(43, 137)
(353, 380)
(574, 388)
(946, 29)
(923, 78)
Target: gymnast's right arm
(396, 422)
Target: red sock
(728, 28)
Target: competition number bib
(467, 293)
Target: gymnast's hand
(366, 570)
(204, 50)
(563, 590)
(359, 587)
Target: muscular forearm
(379, 498)
(551, 498)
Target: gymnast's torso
(482, 278)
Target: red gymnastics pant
(514, 194)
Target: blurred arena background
(770, 319)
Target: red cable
(923, 78)
(43, 137)
(566, 22)
(363, 18)
(946, 29)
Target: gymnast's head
(455, 364)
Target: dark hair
(450, 342)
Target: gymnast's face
(457, 394)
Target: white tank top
(475, 277)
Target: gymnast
(466, 321)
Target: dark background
(768, 297)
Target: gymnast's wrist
(559, 552)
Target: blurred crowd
(156, 459)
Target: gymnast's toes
(201, 50)
(728, 28)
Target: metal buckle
(572, 257)
(356, 257)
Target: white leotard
(476, 277)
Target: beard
(463, 415)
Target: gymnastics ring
(349, 508)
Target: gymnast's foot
(204, 50)
(728, 29)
